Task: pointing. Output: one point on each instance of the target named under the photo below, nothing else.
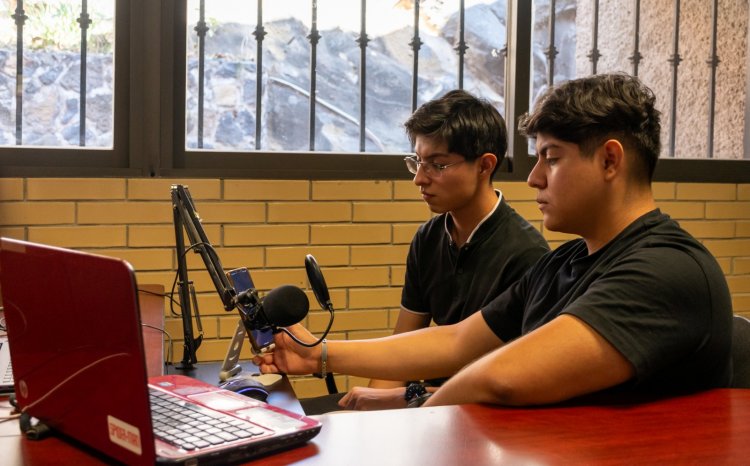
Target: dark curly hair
(588, 111)
(469, 126)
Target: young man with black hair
(477, 245)
(636, 305)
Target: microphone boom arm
(187, 221)
(190, 220)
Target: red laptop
(79, 366)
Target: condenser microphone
(285, 305)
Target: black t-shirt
(654, 293)
(451, 283)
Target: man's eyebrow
(431, 155)
(545, 148)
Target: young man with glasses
(635, 306)
(476, 246)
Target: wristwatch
(416, 394)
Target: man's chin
(557, 227)
(436, 209)
(551, 225)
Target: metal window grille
(363, 40)
(20, 17)
(673, 61)
(201, 28)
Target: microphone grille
(286, 305)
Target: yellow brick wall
(358, 231)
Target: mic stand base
(185, 366)
(226, 374)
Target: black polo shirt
(451, 283)
(653, 292)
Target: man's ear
(487, 163)
(613, 157)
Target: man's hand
(289, 357)
(369, 399)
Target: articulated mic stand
(186, 220)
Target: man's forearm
(560, 360)
(425, 353)
(470, 385)
(408, 321)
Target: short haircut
(468, 125)
(590, 110)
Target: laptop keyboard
(192, 427)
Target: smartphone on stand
(261, 339)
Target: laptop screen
(75, 335)
(76, 342)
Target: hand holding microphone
(288, 357)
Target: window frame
(149, 120)
(35, 161)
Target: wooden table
(711, 428)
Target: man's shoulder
(664, 239)
(680, 259)
(663, 252)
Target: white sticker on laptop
(124, 434)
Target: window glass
(338, 117)
(699, 119)
(230, 91)
(563, 67)
(52, 100)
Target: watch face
(413, 391)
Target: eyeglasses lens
(428, 168)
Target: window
(320, 88)
(58, 87)
(332, 76)
(687, 52)
(60, 93)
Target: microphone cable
(239, 306)
(316, 343)
(210, 250)
(168, 360)
(169, 296)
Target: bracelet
(324, 359)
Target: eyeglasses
(431, 169)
